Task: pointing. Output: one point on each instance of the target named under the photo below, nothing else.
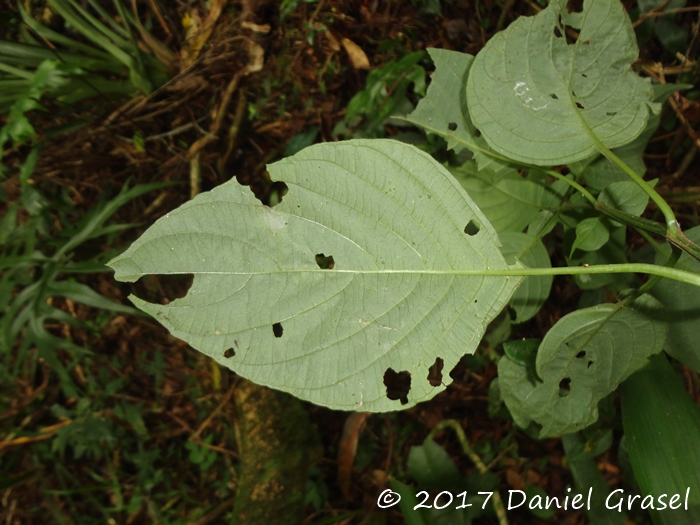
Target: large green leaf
(405, 287)
(583, 358)
(662, 434)
(682, 304)
(533, 291)
(537, 99)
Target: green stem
(632, 220)
(469, 451)
(587, 194)
(670, 217)
(673, 234)
(651, 269)
(646, 287)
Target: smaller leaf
(591, 234)
(533, 291)
(524, 352)
(543, 513)
(300, 141)
(583, 358)
(432, 467)
(625, 196)
(672, 36)
(509, 200)
(542, 224)
(663, 91)
(407, 502)
(612, 252)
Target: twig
(46, 433)
(469, 451)
(213, 514)
(504, 12)
(651, 12)
(220, 114)
(159, 16)
(211, 416)
(195, 175)
(233, 130)
(691, 132)
(216, 448)
(309, 23)
(656, 12)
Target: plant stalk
(469, 451)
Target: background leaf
(533, 291)
(682, 307)
(395, 299)
(662, 433)
(529, 91)
(432, 467)
(591, 234)
(588, 477)
(509, 200)
(626, 196)
(583, 358)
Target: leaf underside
(536, 98)
(267, 301)
(583, 358)
(443, 111)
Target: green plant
(34, 264)
(72, 71)
(377, 271)
(384, 97)
(433, 469)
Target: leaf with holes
(583, 358)
(539, 99)
(369, 274)
(443, 110)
